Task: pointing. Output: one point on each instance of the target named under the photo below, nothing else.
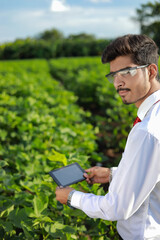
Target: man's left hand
(62, 194)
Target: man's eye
(125, 72)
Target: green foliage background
(86, 78)
(52, 48)
(56, 112)
(53, 113)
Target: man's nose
(118, 81)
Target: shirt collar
(147, 104)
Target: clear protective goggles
(124, 72)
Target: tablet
(68, 175)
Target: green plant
(42, 128)
(86, 78)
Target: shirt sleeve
(134, 179)
(113, 169)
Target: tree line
(53, 44)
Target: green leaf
(7, 211)
(58, 157)
(3, 135)
(27, 234)
(17, 216)
(28, 231)
(7, 226)
(3, 163)
(30, 212)
(40, 202)
(52, 228)
(69, 229)
(46, 219)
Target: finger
(91, 175)
(90, 181)
(89, 169)
(85, 175)
(59, 187)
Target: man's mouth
(123, 91)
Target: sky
(20, 19)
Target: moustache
(122, 89)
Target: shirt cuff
(76, 199)
(77, 195)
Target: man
(133, 199)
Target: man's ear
(153, 71)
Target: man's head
(134, 67)
(140, 48)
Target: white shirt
(133, 199)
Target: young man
(133, 199)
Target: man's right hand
(97, 175)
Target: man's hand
(62, 194)
(97, 175)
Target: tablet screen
(68, 175)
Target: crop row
(41, 128)
(86, 78)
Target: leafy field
(45, 124)
(86, 78)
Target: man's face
(132, 89)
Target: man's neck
(153, 89)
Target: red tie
(136, 121)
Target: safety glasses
(124, 72)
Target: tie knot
(136, 121)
